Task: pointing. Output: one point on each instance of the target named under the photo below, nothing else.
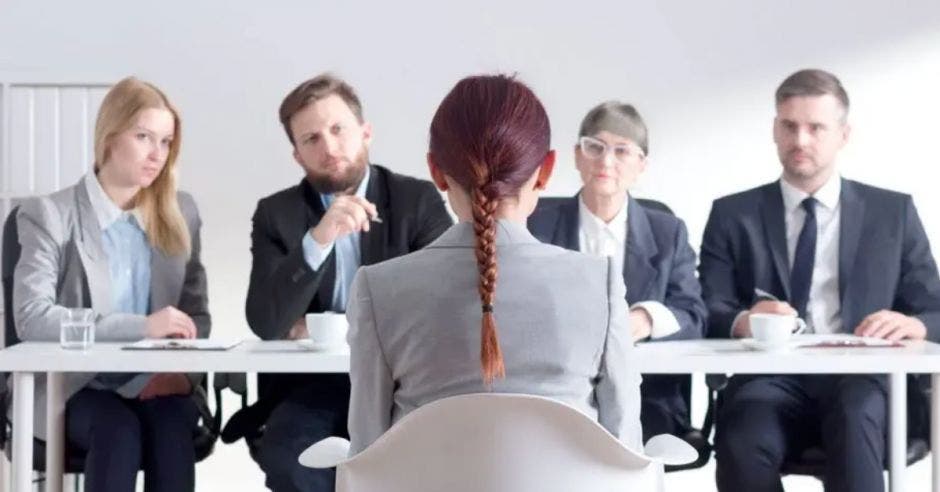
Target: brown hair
(812, 82)
(159, 209)
(490, 134)
(311, 91)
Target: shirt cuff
(664, 322)
(314, 253)
(735, 322)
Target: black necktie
(801, 276)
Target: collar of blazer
(461, 235)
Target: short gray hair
(618, 118)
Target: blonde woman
(125, 243)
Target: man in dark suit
(651, 246)
(307, 243)
(846, 257)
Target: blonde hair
(157, 204)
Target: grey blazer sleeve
(45, 254)
(618, 382)
(370, 399)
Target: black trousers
(308, 414)
(121, 436)
(765, 420)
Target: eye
(337, 129)
(594, 148)
(312, 139)
(141, 136)
(166, 142)
(817, 127)
(623, 152)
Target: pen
(763, 295)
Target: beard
(347, 181)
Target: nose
(157, 153)
(330, 145)
(608, 160)
(802, 138)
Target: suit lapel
(638, 271)
(852, 214)
(772, 215)
(372, 243)
(566, 225)
(91, 252)
(314, 211)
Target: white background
(701, 73)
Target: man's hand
(165, 384)
(891, 325)
(347, 214)
(298, 331)
(641, 325)
(742, 329)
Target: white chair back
(497, 442)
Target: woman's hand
(170, 322)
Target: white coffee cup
(327, 330)
(775, 330)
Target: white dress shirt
(824, 309)
(597, 237)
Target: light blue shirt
(128, 250)
(348, 252)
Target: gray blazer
(414, 332)
(63, 264)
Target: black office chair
(699, 438)
(204, 437)
(812, 460)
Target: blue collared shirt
(348, 252)
(128, 251)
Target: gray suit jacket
(63, 264)
(561, 321)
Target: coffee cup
(775, 330)
(327, 330)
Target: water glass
(77, 328)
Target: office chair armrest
(329, 452)
(668, 449)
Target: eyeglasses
(593, 148)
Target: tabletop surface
(687, 356)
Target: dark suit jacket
(884, 256)
(283, 287)
(659, 265)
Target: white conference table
(25, 360)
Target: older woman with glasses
(649, 245)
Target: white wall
(702, 73)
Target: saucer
(753, 344)
(321, 347)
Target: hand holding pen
(348, 214)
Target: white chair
(497, 442)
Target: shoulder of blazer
(188, 206)
(874, 194)
(55, 211)
(390, 187)
(747, 201)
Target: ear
(438, 176)
(366, 133)
(297, 157)
(641, 167)
(846, 132)
(545, 170)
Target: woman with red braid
(487, 307)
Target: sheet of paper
(183, 344)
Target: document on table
(183, 344)
(843, 341)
